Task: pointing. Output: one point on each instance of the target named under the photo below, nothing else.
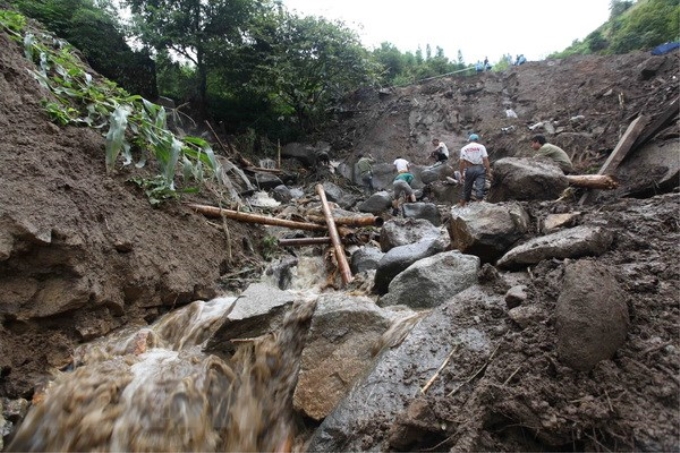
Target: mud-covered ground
(526, 400)
(67, 227)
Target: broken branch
(212, 211)
(359, 220)
(345, 272)
(602, 182)
(439, 370)
(476, 373)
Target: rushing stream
(154, 389)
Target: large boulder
(427, 211)
(487, 230)
(526, 179)
(339, 345)
(397, 378)
(399, 258)
(404, 231)
(584, 240)
(432, 281)
(591, 316)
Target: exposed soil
(82, 252)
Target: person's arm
(487, 166)
(461, 166)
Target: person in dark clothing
(365, 168)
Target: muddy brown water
(153, 389)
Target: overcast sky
(479, 28)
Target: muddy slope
(83, 252)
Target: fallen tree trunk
(602, 182)
(212, 211)
(345, 272)
(359, 220)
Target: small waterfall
(153, 389)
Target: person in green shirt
(365, 169)
(401, 186)
(555, 153)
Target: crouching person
(401, 187)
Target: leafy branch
(127, 121)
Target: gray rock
(427, 211)
(585, 240)
(399, 258)
(338, 347)
(431, 281)
(403, 231)
(364, 259)
(526, 179)
(487, 230)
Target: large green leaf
(115, 137)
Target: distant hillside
(639, 25)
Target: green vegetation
(631, 26)
(262, 73)
(130, 123)
(270, 247)
(92, 27)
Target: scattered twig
(670, 373)
(511, 376)
(237, 273)
(476, 373)
(228, 237)
(441, 367)
(656, 347)
(609, 401)
(594, 439)
(243, 340)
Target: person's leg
(396, 190)
(469, 184)
(408, 192)
(479, 180)
(368, 184)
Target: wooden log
(345, 272)
(620, 151)
(212, 211)
(347, 236)
(302, 242)
(359, 220)
(668, 115)
(602, 182)
(624, 146)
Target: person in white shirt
(474, 167)
(441, 152)
(401, 164)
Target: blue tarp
(665, 48)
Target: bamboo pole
(212, 211)
(345, 272)
(359, 220)
(279, 154)
(603, 182)
(300, 242)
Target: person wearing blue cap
(474, 167)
